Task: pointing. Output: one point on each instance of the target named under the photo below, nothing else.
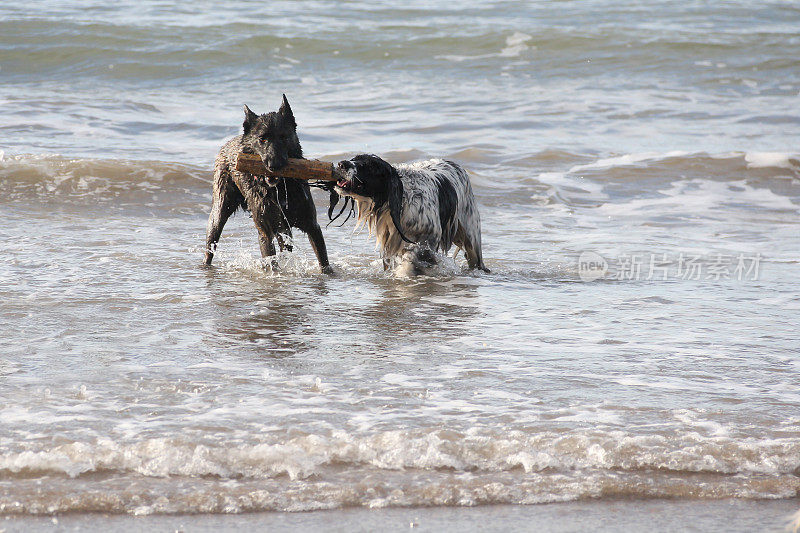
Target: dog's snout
(344, 165)
(274, 165)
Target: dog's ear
(250, 119)
(286, 112)
(396, 202)
(334, 199)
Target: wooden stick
(304, 169)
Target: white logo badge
(591, 266)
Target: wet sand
(610, 516)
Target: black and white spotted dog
(414, 209)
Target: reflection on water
(406, 312)
(286, 314)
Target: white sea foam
(700, 196)
(772, 159)
(515, 44)
(475, 450)
(627, 159)
(402, 380)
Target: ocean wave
(678, 183)
(711, 165)
(476, 451)
(124, 43)
(49, 179)
(557, 176)
(394, 468)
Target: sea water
(637, 172)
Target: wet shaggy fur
(276, 205)
(414, 210)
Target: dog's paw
(270, 265)
(329, 271)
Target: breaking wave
(422, 467)
(58, 179)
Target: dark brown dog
(276, 205)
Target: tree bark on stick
(304, 169)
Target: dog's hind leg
(226, 198)
(474, 256)
(471, 244)
(314, 233)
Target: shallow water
(134, 381)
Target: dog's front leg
(225, 200)
(266, 235)
(267, 246)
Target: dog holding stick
(276, 204)
(414, 210)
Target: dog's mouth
(272, 181)
(273, 168)
(348, 181)
(349, 184)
